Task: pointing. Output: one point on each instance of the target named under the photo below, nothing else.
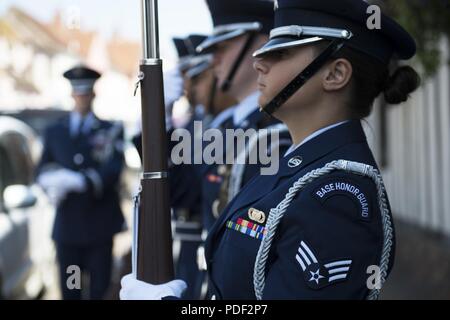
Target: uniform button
(78, 159)
(213, 297)
(295, 162)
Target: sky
(176, 17)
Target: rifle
(153, 235)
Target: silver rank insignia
(315, 274)
(256, 215)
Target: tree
(427, 21)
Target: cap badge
(295, 162)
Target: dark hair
(371, 77)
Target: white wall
(417, 175)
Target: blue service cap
(301, 22)
(189, 57)
(233, 18)
(204, 63)
(181, 47)
(82, 79)
(193, 41)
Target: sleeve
(107, 174)
(137, 142)
(326, 241)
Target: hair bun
(400, 84)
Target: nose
(260, 65)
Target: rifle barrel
(150, 34)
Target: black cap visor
(227, 32)
(282, 43)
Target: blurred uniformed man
(80, 171)
(321, 228)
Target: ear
(337, 75)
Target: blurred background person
(80, 170)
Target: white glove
(173, 88)
(48, 179)
(73, 181)
(55, 195)
(53, 186)
(133, 289)
(58, 183)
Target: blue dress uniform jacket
(330, 234)
(93, 216)
(213, 175)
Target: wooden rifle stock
(154, 241)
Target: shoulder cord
(277, 213)
(238, 169)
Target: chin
(262, 101)
(277, 115)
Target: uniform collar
(222, 117)
(89, 122)
(245, 108)
(300, 160)
(313, 135)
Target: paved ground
(422, 265)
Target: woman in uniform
(321, 228)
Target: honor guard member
(322, 227)
(240, 27)
(80, 171)
(185, 177)
(207, 102)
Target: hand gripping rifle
(153, 261)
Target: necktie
(79, 131)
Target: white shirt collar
(313, 135)
(221, 117)
(75, 119)
(245, 108)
